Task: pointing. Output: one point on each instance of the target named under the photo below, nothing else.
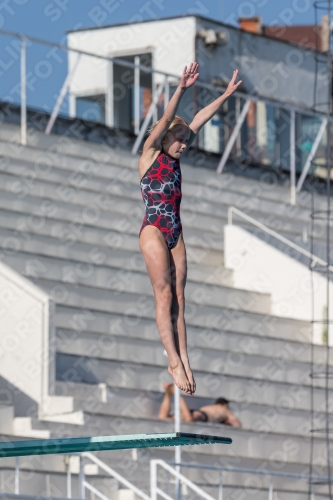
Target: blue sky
(50, 20)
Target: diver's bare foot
(177, 372)
(189, 375)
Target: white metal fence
(167, 485)
(310, 482)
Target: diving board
(100, 443)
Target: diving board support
(102, 443)
(178, 452)
(17, 476)
(270, 491)
(81, 478)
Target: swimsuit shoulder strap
(154, 162)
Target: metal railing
(102, 465)
(155, 491)
(164, 86)
(83, 484)
(276, 235)
(34, 497)
(173, 470)
(311, 480)
(17, 494)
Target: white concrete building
(272, 69)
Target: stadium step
(275, 447)
(22, 426)
(146, 377)
(72, 154)
(208, 245)
(206, 316)
(29, 179)
(141, 353)
(81, 314)
(66, 234)
(103, 280)
(90, 192)
(290, 221)
(238, 345)
(113, 401)
(127, 212)
(35, 246)
(287, 219)
(69, 150)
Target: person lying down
(218, 412)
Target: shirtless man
(219, 412)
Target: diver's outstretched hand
(189, 76)
(232, 87)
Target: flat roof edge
(198, 16)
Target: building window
(124, 92)
(91, 108)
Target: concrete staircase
(70, 213)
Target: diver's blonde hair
(178, 120)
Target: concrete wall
(27, 348)
(163, 38)
(269, 68)
(260, 267)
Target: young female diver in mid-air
(161, 239)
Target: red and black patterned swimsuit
(161, 192)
